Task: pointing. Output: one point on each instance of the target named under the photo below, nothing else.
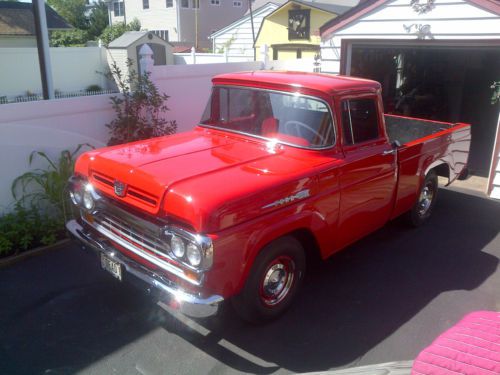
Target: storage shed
(128, 45)
(436, 59)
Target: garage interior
(449, 83)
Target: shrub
(44, 190)
(23, 229)
(495, 98)
(93, 88)
(139, 109)
(68, 38)
(116, 30)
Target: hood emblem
(120, 188)
(300, 195)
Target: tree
(98, 20)
(72, 11)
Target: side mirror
(396, 144)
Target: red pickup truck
(281, 167)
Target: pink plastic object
(471, 347)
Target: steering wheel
(297, 128)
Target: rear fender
(442, 167)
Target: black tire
(426, 199)
(281, 264)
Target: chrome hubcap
(277, 281)
(425, 201)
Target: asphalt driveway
(383, 299)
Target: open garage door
(435, 81)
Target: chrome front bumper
(190, 304)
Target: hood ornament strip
(300, 195)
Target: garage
(435, 60)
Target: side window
(233, 104)
(359, 121)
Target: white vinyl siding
(238, 39)
(449, 19)
(180, 21)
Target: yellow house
(292, 30)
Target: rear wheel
(426, 200)
(273, 281)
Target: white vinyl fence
(73, 69)
(209, 58)
(50, 126)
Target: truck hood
(207, 179)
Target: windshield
(288, 118)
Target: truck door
(368, 174)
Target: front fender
(282, 225)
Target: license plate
(111, 266)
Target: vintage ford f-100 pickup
(282, 166)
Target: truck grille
(107, 183)
(136, 236)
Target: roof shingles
(17, 19)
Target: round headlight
(193, 254)
(178, 247)
(76, 196)
(88, 200)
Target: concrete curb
(9, 261)
(389, 368)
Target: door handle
(388, 152)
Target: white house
(179, 20)
(237, 37)
(435, 59)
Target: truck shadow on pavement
(361, 296)
(60, 314)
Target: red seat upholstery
(270, 129)
(269, 125)
(471, 347)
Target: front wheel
(273, 281)
(422, 210)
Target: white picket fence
(209, 58)
(58, 95)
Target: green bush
(116, 30)
(23, 229)
(42, 204)
(69, 38)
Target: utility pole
(253, 30)
(197, 3)
(124, 13)
(42, 42)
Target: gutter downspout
(179, 39)
(42, 42)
